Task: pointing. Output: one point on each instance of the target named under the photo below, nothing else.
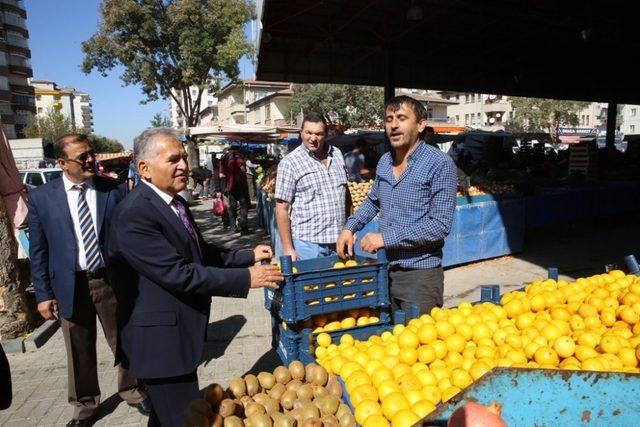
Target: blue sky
(57, 28)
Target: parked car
(36, 177)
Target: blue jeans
(310, 250)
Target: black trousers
(241, 198)
(5, 381)
(423, 287)
(170, 398)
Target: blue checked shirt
(316, 194)
(416, 210)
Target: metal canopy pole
(612, 117)
(390, 84)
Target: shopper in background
(415, 195)
(234, 172)
(311, 194)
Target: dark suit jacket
(164, 286)
(53, 248)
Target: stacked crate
(583, 159)
(315, 288)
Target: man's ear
(422, 124)
(143, 170)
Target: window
(38, 97)
(466, 98)
(466, 119)
(258, 116)
(50, 176)
(39, 110)
(633, 112)
(34, 178)
(194, 92)
(430, 113)
(457, 119)
(632, 128)
(473, 98)
(587, 120)
(267, 114)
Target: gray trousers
(423, 287)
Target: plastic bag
(220, 208)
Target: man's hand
(291, 252)
(48, 309)
(344, 244)
(265, 276)
(372, 242)
(262, 252)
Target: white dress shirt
(72, 200)
(168, 198)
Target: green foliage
(49, 126)
(346, 105)
(167, 46)
(102, 144)
(536, 114)
(159, 120)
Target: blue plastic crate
(285, 341)
(318, 288)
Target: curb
(33, 341)
(41, 335)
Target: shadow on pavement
(220, 334)
(107, 407)
(267, 363)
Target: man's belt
(100, 273)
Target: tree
(102, 144)
(50, 126)
(160, 121)
(536, 114)
(344, 105)
(169, 47)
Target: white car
(36, 177)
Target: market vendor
(415, 194)
(311, 194)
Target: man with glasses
(69, 220)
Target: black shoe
(144, 407)
(80, 423)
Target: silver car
(36, 177)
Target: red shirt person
(234, 171)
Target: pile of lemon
(400, 376)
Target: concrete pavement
(239, 338)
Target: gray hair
(143, 144)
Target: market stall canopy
(572, 49)
(253, 133)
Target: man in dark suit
(165, 274)
(68, 236)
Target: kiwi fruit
(271, 405)
(319, 376)
(214, 394)
(347, 420)
(253, 408)
(334, 388)
(253, 386)
(305, 391)
(227, 408)
(267, 380)
(282, 375)
(300, 403)
(287, 399)
(328, 405)
(259, 420)
(284, 420)
(260, 397)
(277, 391)
(297, 370)
(233, 421)
(237, 387)
(342, 410)
(294, 385)
(319, 391)
(330, 421)
(308, 372)
(312, 422)
(244, 400)
(310, 410)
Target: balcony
(499, 106)
(18, 41)
(15, 20)
(16, 3)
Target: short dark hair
(361, 143)
(61, 143)
(429, 129)
(396, 102)
(314, 118)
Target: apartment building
(73, 104)
(208, 109)
(477, 110)
(255, 102)
(630, 119)
(17, 102)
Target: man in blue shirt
(354, 161)
(415, 195)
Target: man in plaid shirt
(415, 194)
(311, 184)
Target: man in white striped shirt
(311, 184)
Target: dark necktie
(89, 238)
(182, 213)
